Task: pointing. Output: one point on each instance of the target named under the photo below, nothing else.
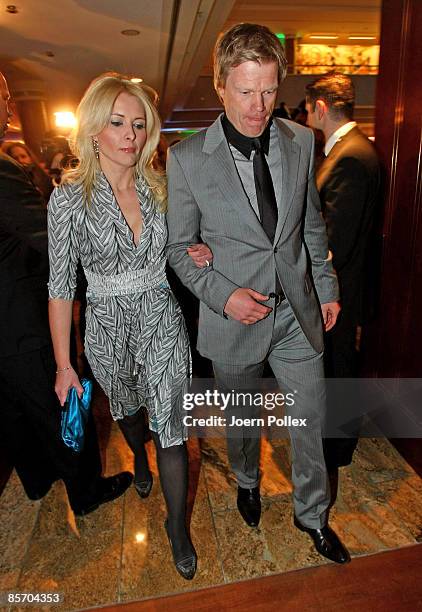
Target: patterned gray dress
(136, 341)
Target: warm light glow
(324, 37)
(136, 80)
(65, 119)
(140, 537)
(362, 37)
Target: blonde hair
(247, 42)
(93, 115)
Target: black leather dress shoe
(326, 542)
(338, 452)
(108, 489)
(39, 491)
(249, 505)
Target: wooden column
(290, 50)
(30, 100)
(396, 346)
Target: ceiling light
(65, 119)
(324, 37)
(12, 8)
(362, 37)
(136, 80)
(130, 32)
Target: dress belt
(127, 283)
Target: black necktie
(267, 203)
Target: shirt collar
(337, 135)
(246, 144)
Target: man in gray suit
(246, 187)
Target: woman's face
(122, 140)
(21, 156)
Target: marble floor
(120, 552)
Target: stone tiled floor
(120, 552)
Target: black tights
(133, 427)
(172, 465)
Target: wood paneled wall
(395, 348)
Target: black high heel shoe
(186, 566)
(143, 487)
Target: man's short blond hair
(247, 42)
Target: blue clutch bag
(75, 416)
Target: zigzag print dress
(136, 341)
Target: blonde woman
(109, 214)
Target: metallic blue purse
(75, 416)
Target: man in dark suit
(348, 182)
(30, 412)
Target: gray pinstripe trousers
(298, 370)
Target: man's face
(249, 96)
(5, 112)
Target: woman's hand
(201, 255)
(65, 380)
(60, 316)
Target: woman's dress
(135, 341)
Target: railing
(324, 68)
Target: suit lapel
(290, 157)
(220, 164)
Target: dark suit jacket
(29, 411)
(348, 182)
(23, 262)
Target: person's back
(356, 158)
(23, 262)
(348, 182)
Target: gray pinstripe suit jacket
(207, 202)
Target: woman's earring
(96, 148)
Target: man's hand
(329, 314)
(243, 305)
(201, 255)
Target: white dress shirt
(337, 135)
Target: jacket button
(275, 249)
